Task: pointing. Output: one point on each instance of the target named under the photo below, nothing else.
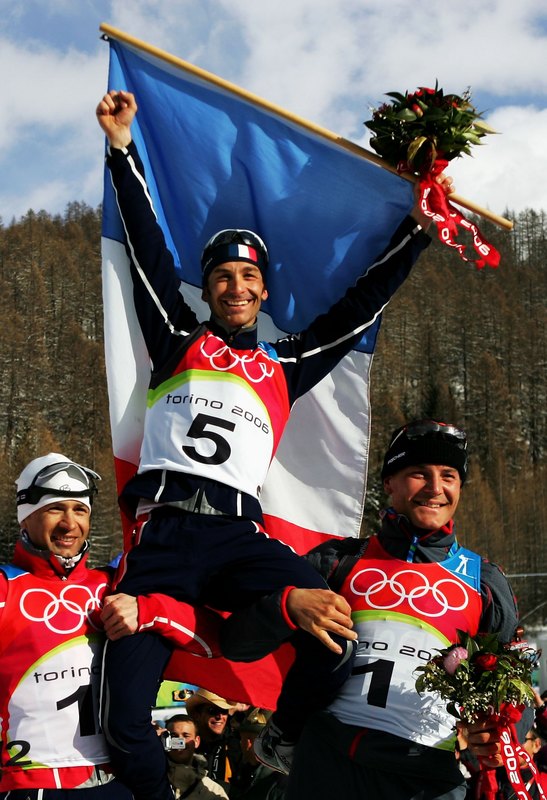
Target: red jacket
(51, 639)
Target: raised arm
(163, 315)
(115, 113)
(312, 353)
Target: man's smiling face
(426, 494)
(235, 291)
(60, 527)
(211, 720)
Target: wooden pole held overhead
(115, 33)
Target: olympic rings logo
(51, 607)
(395, 591)
(224, 359)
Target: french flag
(216, 158)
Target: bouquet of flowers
(481, 677)
(417, 127)
(484, 679)
(419, 133)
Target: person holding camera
(187, 770)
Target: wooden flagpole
(114, 33)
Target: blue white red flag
(215, 159)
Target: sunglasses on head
(236, 236)
(423, 427)
(39, 487)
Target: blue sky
(326, 60)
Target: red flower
(487, 662)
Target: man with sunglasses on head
(52, 632)
(411, 587)
(199, 528)
(51, 638)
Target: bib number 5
(203, 428)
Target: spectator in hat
(411, 587)
(187, 769)
(540, 713)
(253, 780)
(211, 715)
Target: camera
(171, 742)
(182, 695)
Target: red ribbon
(435, 204)
(511, 754)
(486, 787)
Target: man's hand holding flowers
(420, 133)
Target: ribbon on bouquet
(511, 754)
(435, 205)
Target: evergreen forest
(456, 343)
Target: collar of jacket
(181, 776)
(397, 534)
(237, 338)
(46, 565)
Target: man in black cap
(411, 587)
(253, 780)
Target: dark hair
(180, 718)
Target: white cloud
(46, 89)
(506, 172)
(324, 61)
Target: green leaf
(406, 115)
(434, 113)
(483, 126)
(397, 96)
(472, 137)
(414, 146)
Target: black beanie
(426, 442)
(234, 244)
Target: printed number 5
(198, 430)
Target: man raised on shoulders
(199, 533)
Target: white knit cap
(63, 477)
